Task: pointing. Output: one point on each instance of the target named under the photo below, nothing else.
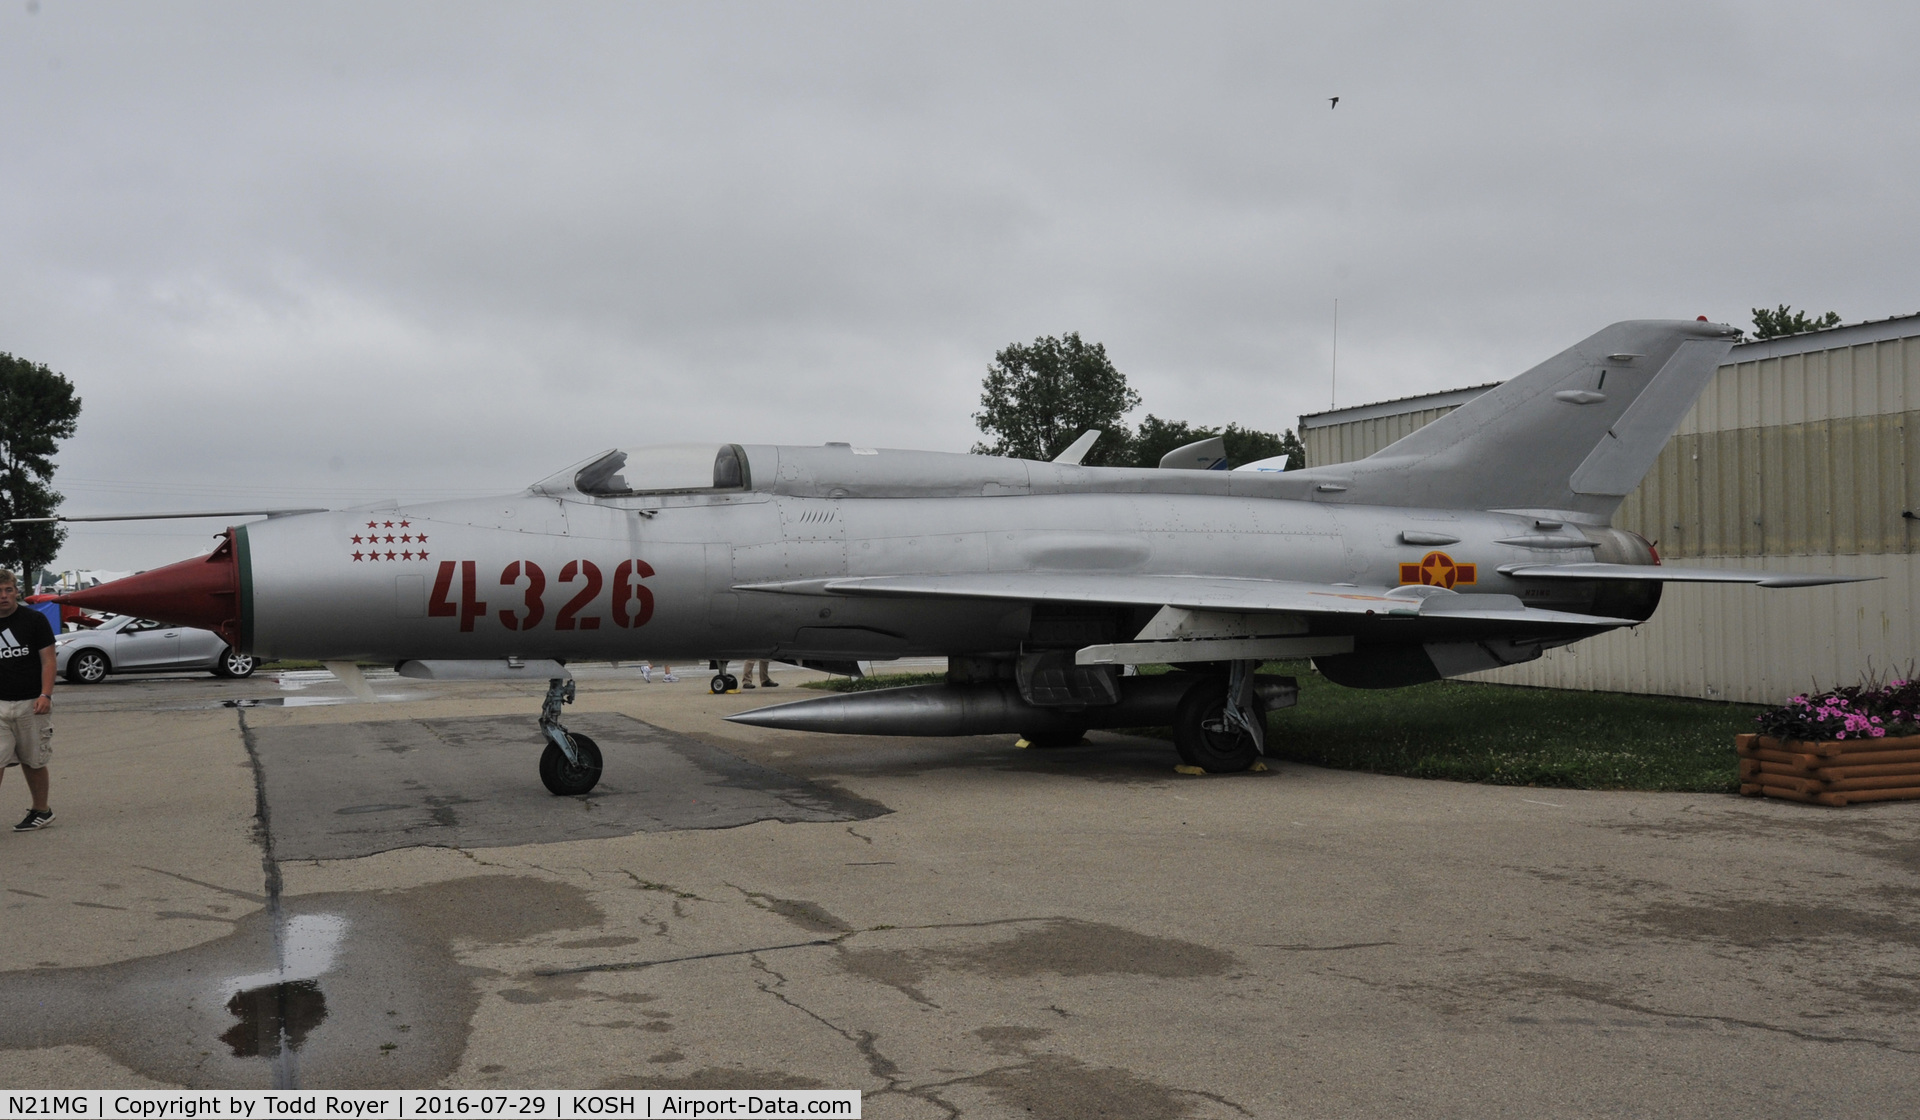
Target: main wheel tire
(233, 664)
(1202, 735)
(718, 684)
(89, 666)
(1053, 740)
(565, 780)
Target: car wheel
(234, 664)
(89, 666)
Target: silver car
(124, 644)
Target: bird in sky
(1333, 103)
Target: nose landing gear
(570, 766)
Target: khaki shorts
(25, 739)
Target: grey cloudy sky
(323, 254)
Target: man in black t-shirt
(26, 697)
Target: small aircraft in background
(1478, 541)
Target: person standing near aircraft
(26, 698)
(746, 675)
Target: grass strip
(1505, 735)
(1497, 734)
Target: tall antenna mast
(1333, 382)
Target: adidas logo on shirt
(10, 646)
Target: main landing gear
(723, 682)
(1220, 725)
(570, 766)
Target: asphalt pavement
(255, 883)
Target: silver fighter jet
(1478, 541)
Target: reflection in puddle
(272, 1016)
(276, 1009)
(220, 1013)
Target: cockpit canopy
(665, 467)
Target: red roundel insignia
(1437, 569)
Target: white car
(124, 644)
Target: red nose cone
(203, 592)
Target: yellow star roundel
(1437, 569)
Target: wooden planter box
(1830, 773)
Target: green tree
(1244, 445)
(37, 408)
(1784, 320)
(1037, 399)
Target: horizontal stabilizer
(1198, 593)
(1663, 573)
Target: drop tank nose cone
(202, 592)
(827, 713)
(983, 709)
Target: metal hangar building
(1803, 453)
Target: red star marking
(1437, 570)
(389, 538)
(423, 556)
(356, 538)
(422, 538)
(371, 525)
(373, 556)
(406, 556)
(389, 555)
(356, 556)
(404, 538)
(404, 524)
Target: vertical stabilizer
(1575, 433)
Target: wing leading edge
(1197, 593)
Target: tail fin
(1573, 434)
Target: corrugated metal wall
(1342, 443)
(1801, 461)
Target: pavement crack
(286, 1070)
(665, 888)
(1324, 948)
(247, 896)
(634, 966)
(1590, 994)
(864, 1043)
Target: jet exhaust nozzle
(985, 709)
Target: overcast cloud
(324, 254)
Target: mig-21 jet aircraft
(1478, 541)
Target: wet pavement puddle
(358, 990)
(364, 989)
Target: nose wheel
(570, 766)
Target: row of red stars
(376, 538)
